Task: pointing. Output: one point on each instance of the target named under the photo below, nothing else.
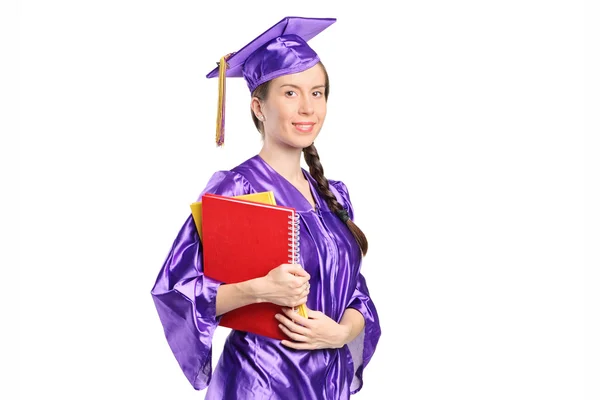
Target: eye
(317, 93)
(290, 93)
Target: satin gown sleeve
(363, 346)
(186, 299)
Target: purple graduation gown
(253, 366)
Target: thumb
(311, 314)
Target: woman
(326, 353)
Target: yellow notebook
(261, 197)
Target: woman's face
(295, 108)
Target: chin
(301, 142)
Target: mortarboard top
(280, 50)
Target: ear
(256, 106)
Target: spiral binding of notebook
(294, 239)
(294, 252)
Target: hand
(318, 331)
(287, 285)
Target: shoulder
(227, 183)
(233, 182)
(340, 190)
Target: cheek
(322, 110)
(286, 112)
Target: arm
(284, 285)
(236, 295)
(354, 322)
(185, 299)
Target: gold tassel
(220, 136)
(302, 310)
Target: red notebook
(243, 240)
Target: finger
(298, 345)
(303, 289)
(301, 283)
(302, 300)
(297, 318)
(297, 270)
(292, 335)
(293, 324)
(297, 302)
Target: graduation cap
(280, 50)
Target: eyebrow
(298, 87)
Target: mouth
(304, 127)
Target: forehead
(313, 76)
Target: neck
(285, 161)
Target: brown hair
(311, 156)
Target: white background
(459, 128)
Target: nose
(306, 106)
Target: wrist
(253, 289)
(345, 331)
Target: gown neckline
(311, 184)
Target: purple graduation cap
(280, 50)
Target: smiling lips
(304, 127)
